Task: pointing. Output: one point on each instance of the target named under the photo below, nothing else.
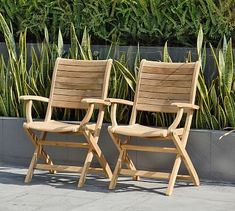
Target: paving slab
(59, 192)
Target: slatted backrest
(74, 80)
(160, 84)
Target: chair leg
(85, 168)
(183, 155)
(118, 167)
(173, 176)
(104, 164)
(127, 160)
(186, 159)
(131, 166)
(43, 153)
(29, 175)
(97, 151)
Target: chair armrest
(29, 103)
(114, 102)
(36, 98)
(119, 101)
(95, 101)
(91, 102)
(180, 112)
(185, 105)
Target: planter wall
(213, 159)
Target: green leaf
(60, 44)
(229, 110)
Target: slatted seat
(56, 126)
(76, 84)
(161, 87)
(143, 131)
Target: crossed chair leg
(93, 149)
(182, 155)
(38, 152)
(123, 158)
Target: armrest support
(95, 101)
(180, 112)
(92, 102)
(120, 101)
(36, 98)
(29, 103)
(185, 105)
(114, 103)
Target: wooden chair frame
(179, 136)
(81, 129)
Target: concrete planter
(213, 159)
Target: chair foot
(112, 184)
(81, 184)
(169, 192)
(33, 162)
(136, 178)
(52, 172)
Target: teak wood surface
(161, 87)
(76, 84)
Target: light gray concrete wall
(213, 159)
(1, 139)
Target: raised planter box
(213, 159)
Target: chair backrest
(160, 84)
(74, 80)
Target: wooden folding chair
(161, 87)
(76, 84)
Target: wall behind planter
(178, 54)
(213, 159)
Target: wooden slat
(72, 85)
(152, 174)
(67, 98)
(83, 93)
(80, 80)
(92, 75)
(148, 88)
(75, 69)
(85, 75)
(64, 168)
(64, 144)
(64, 104)
(170, 71)
(156, 108)
(163, 83)
(174, 96)
(158, 101)
(168, 65)
(150, 148)
(163, 77)
(74, 62)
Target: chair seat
(139, 131)
(56, 126)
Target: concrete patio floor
(59, 192)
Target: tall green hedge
(149, 22)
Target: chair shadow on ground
(94, 183)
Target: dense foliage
(149, 22)
(29, 72)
